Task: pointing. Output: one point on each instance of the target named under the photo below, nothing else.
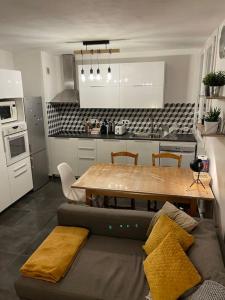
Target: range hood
(70, 93)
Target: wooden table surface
(143, 182)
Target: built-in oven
(16, 143)
(8, 111)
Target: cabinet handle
(86, 148)
(87, 158)
(19, 174)
(20, 167)
(87, 139)
(141, 141)
(141, 84)
(111, 140)
(97, 86)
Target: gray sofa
(110, 265)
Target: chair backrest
(67, 179)
(167, 155)
(124, 153)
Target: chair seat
(75, 194)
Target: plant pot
(210, 127)
(207, 91)
(215, 91)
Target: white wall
(193, 81)
(6, 60)
(29, 63)
(215, 149)
(52, 81)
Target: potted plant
(213, 83)
(212, 120)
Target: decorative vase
(207, 91)
(211, 127)
(215, 91)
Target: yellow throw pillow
(169, 271)
(163, 226)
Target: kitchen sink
(147, 135)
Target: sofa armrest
(108, 222)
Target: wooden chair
(125, 154)
(166, 155)
(163, 155)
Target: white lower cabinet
(81, 153)
(144, 148)
(20, 179)
(106, 146)
(86, 154)
(63, 150)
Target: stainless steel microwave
(8, 111)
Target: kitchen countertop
(173, 137)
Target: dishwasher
(186, 149)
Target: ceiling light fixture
(82, 70)
(96, 51)
(109, 74)
(98, 77)
(91, 77)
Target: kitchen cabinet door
(86, 154)
(99, 93)
(63, 150)
(20, 178)
(141, 97)
(144, 148)
(10, 84)
(142, 85)
(5, 196)
(106, 146)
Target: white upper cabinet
(101, 93)
(133, 85)
(10, 84)
(142, 85)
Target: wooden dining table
(144, 182)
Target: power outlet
(126, 122)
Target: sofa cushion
(163, 226)
(180, 217)
(209, 290)
(205, 253)
(56, 253)
(169, 271)
(106, 268)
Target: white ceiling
(142, 25)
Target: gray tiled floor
(24, 225)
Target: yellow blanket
(55, 255)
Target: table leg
(106, 202)
(194, 208)
(88, 198)
(132, 201)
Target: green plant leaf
(213, 115)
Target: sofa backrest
(109, 222)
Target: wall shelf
(201, 129)
(213, 97)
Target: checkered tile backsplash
(70, 117)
